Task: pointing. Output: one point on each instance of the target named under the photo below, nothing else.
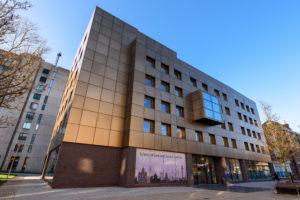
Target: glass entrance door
(204, 170)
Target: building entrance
(204, 170)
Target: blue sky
(251, 45)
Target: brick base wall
(81, 165)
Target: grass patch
(4, 176)
(2, 182)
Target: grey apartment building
(24, 143)
(134, 114)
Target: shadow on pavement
(232, 188)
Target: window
(255, 122)
(148, 126)
(259, 136)
(48, 90)
(205, 87)
(246, 146)
(24, 164)
(242, 105)
(250, 120)
(29, 148)
(165, 107)
(227, 110)
(254, 134)
(46, 71)
(247, 108)
(223, 126)
(262, 149)
(30, 115)
(225, 140)
(233, 142)
(165, 129)
(252, 147)
(51, 83)
(43, 79)
(252, 111)
(230, 126)
(245, 118)
(18, 148)
(249, 132)
(165, 86)
(32, 138)
(212, 139)
(212, 106)
(33, 106)
(150, 62)
(22, 136)
(198, 136)
(178, 92)
(193, 82)
(40, 88)
(53, 74)
(37, 96)
(224, 96)
(164, 68)
(243, 130)
(27, 125)
(148, 102)
(46, 99)
(240, 116)
(179, 111)
(150, 81)
(177, 74)
(43, 107)
(237, 103)
(217, 93)
(181, 132)
(257, 149)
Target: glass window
(254, 134)
(180, 132)
(198, 136)
(233, 142)
(227, 110)
(225, 140)
(164, 68)
(40, 118)
(27, 125)
(179, 111)
(33, 105)
(240, 116)
(165, 86)
(178, 92)
(22, 136)
(46, 99)
(177, 74)
(233, 170)
(237, 103)
(148, 126)
(225, 97)
(247, 108)
(29, 148)
(37, 96)
(252, 147)
(40, 88)
(193, 82)
(165, 107)
(246, 146)
(252, 111)
(259, 136)
(150, 62)
(43, 107)
(32, 138)
(36, 126)
(243, 130)
(48, 90)
(242, 105)
(30, 115)
(249, 132)
(46, 71)
(51, 83)
(165, 129)
(212, 139)
(257, 149)
(230, 126)
(149, 80)
(205, 87)
(43, 79)
(148, 102)
(217, 93)
(212, 106)
(245, 118)
(53, 74)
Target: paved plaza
(33, 188)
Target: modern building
(24, 143)
(134, 114)
(293, 165)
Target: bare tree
(22, 49)
(282, 143)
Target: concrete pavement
(36, 189)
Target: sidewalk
(36, 189)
